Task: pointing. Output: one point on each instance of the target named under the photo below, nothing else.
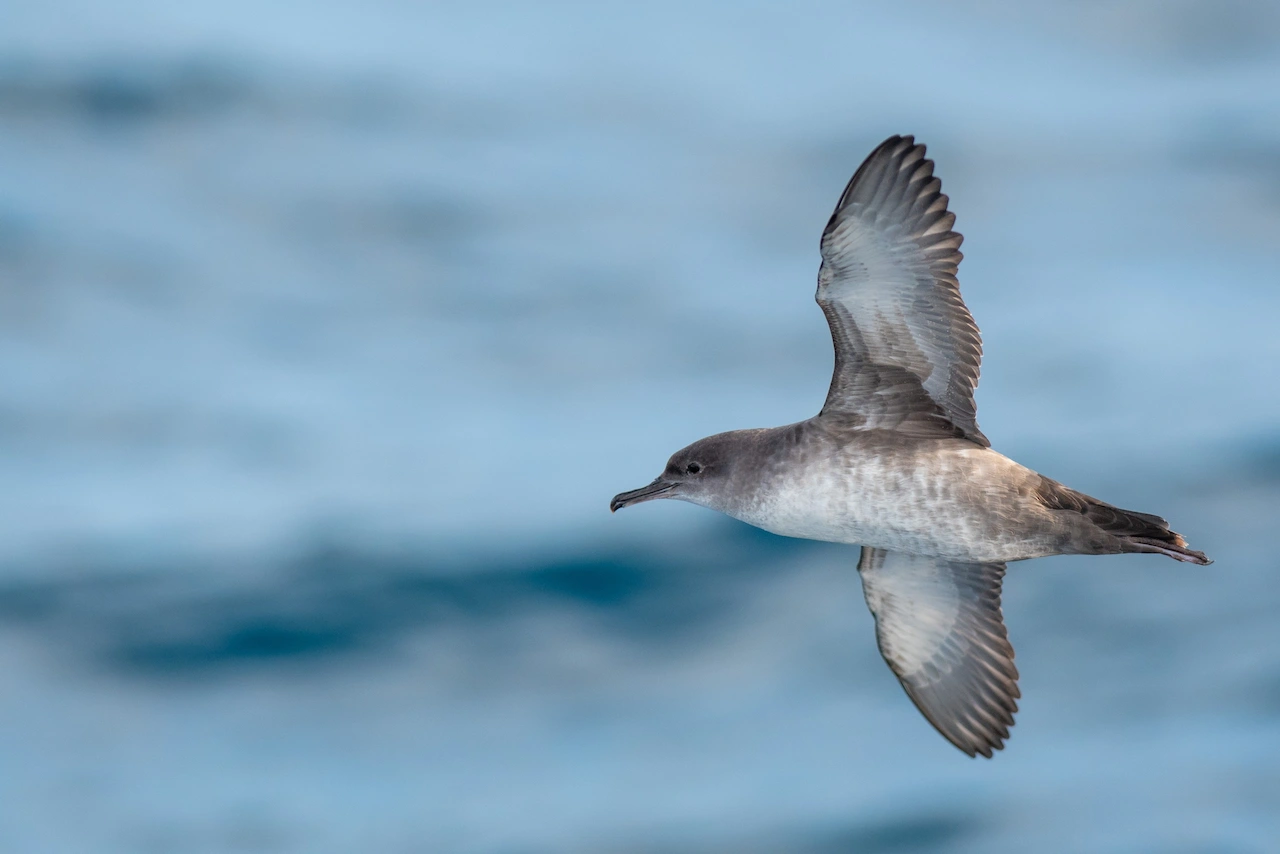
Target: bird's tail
(1135, 532)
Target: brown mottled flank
(895, 461)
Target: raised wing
(939, 626)
(907, 349)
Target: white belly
(931, 505)
(829, 505)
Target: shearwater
(895, 461)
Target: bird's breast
(831, 500)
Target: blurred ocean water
(328, 330)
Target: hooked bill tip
(657, 489)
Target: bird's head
(699, 473)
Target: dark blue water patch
(25, 602)
(335, 604)
(597, 582)
(123, 94)
(242, 639)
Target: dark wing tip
(975, 728)
(893, 151)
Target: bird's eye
(693, 468)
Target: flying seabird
(895, 461)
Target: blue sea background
(329, 329)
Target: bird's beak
(658, 489)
